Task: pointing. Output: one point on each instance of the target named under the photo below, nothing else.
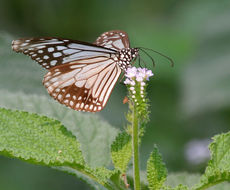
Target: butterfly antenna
(171, 61)
(139, 61)
(144, 63)
(146, 53)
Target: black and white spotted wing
(81, 75)
(50, 52)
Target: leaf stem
(135, 138)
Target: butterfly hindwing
(115, 39)
(82, 86)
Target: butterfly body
(81, 75)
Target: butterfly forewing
(50, 52)
(81, 75)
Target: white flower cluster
(139, 75)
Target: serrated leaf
(121, 151)
(220, 152)
(37, 139)
(45, 141)
(94, 134)
(218, 169)
(156, 170)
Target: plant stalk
(135, 139)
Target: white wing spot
(77, 105)
(79, 98)
(74, 97)
(61, 47)
(46, 57)
(57, 54)
(82, 105)
(53, 62)
(71, 103)
(24, 44)
(66, 101)
(68, 95)
(51, 49)
(40, 51)
(59, 97)
(91, 107)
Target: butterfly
(81, 75)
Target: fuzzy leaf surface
(121, 151)
(218, 169)
(156, 170)
(37, 139)
(94, 134)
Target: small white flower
(127, 81)
(132, 88)
(132, 83)
(142, 84)
(140, 75)
(131, 72)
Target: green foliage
(121, 151)
(218, 169)
(38, 139)
(95, 138)
(156, 170)
(41, 140)
(179, 187)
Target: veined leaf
(156, 170)
(218, 169)
(37, 139)
(121, 151)
(45, 141)
(94, 134)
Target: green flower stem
(136, 172)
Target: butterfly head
(135, 52)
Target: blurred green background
(190, 102)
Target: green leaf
(218, 169)
(179, 187)
(45, 141)
(121, 151)
(156, 170)
(37, 139)
(94, 134)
